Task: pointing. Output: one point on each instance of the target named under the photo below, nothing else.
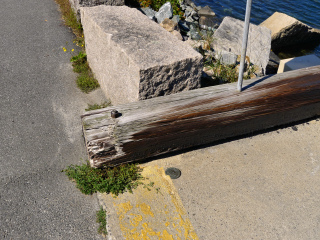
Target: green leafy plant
(98, 106)
(223, 73)
(156, 4)
(101, 219)
(70, 20)
(114, 180)
(86, 80)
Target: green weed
(101, 219)
(113, 180)
(223, 73)
(85, 80)
(156, 4)
(98, 106)
(70, 19)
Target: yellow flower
(72, 50)
(64, 50)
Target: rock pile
(195, 22)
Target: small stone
(183, 7)
(208, 21)
(208, 71)
(177, 34)
(169, 25)
(206, 11)
(194, 35)
(164, 12)
(193, 5)
(195, 16)
(148, 12)
(193, 43)
(176, 18)
(198, 8)
(227, 58)
(184, 26)
(206, 46)
(190, 19)
(189, 10)
(188, 2)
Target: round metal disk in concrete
(174, 173)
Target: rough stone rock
(194, 34)
(228, 37)
(176, 18)
(185, 38)
(287, 31)
(184, 26)
(177, 34)
(188, 11)
(195, 17)
(206, 11)
(164, 12)
(76, 4)
(227, 58)
(209, 22)
(169, 25)
(149, 12)
(273, 64)
(193, 43)
(198, 8)
(183, 6)
(134, 58)
(190, 20)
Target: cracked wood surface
(165, 124)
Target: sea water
(307, 11)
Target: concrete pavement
(40, 127)
(266, 186)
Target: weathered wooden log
(165, 124)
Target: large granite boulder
(228, 37)
(134, 58)
(287, 31)
(76, 4)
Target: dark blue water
(307, 11)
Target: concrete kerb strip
(157, 213)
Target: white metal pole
(244, 44)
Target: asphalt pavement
(40, 127)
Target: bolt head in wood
(114, 113)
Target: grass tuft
(98, 106)
(85, 80)
(113, 180)
(101, 219)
